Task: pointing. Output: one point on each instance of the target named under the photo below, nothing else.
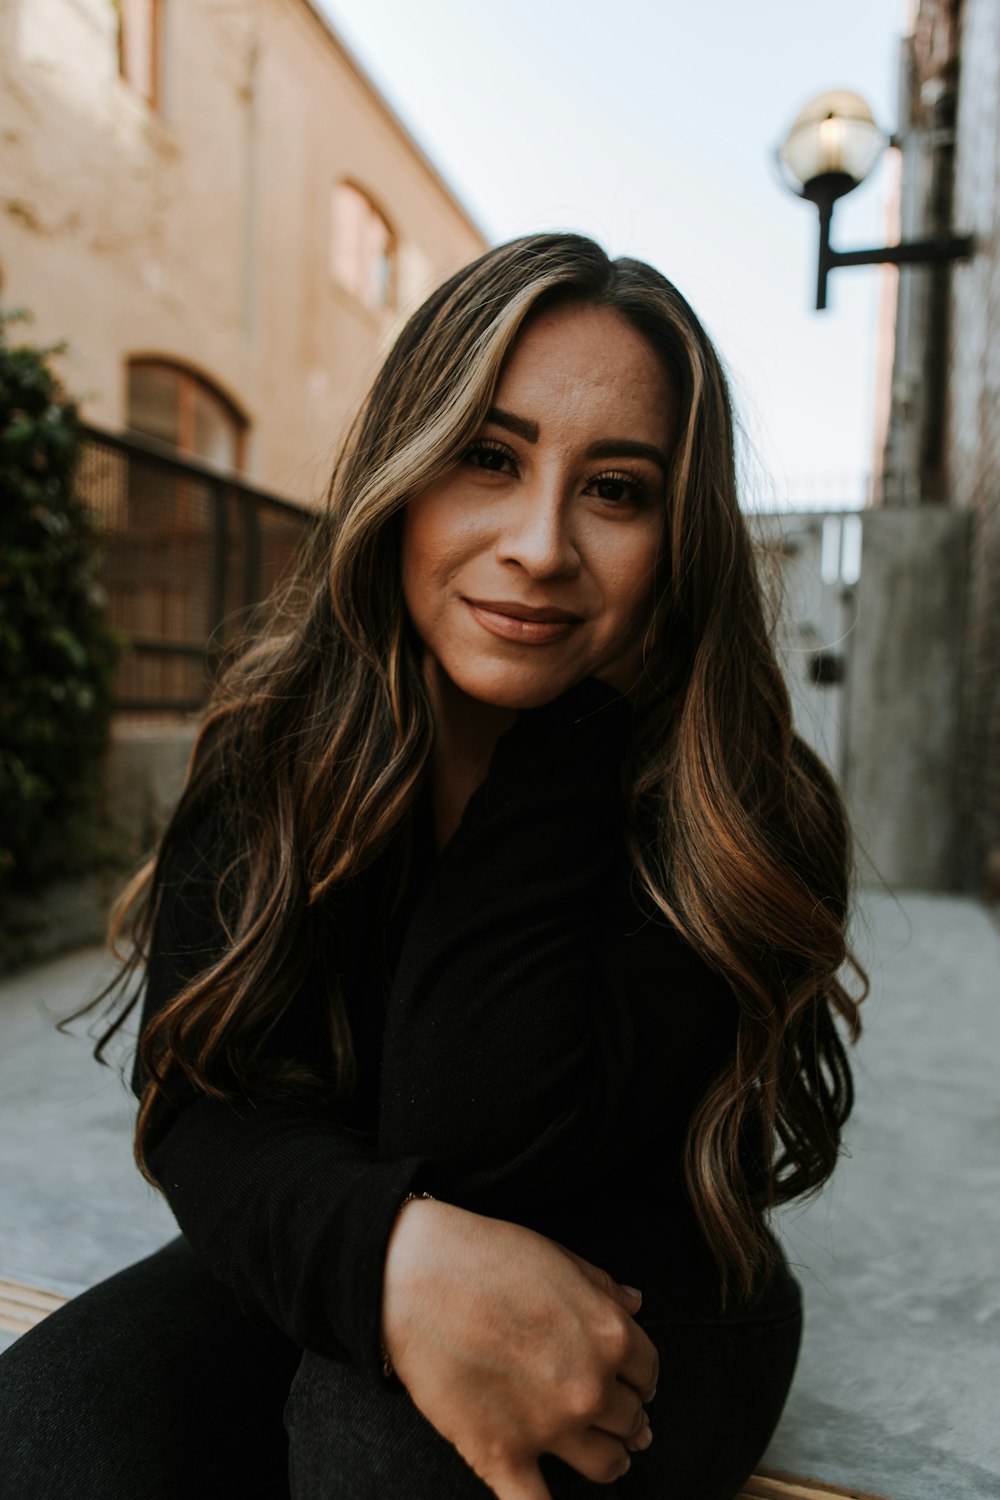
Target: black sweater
(532, 1039)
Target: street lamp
(832, 146)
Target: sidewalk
(73, 1207)
(898, 1387)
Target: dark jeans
(150, 1386)
(720, 1393)
(154, 1386)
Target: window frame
(373, 212)
(189, 382)
(156, 9)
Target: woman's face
(529, 565)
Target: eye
(490, 456)
(619, 488)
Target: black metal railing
(188, 553)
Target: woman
(501, 877)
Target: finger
(642, 1439)
(519, 1484)
(641, 1366)
(628, 1297)
(594, 1454)
(623, 1414)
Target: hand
(512, 1346)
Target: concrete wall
(943, 443)
(973, 428)
(903, 697)
(891, 621)
(144, 774)
(200, 231)
(145, 770)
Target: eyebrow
(520, 425)
(606, 448)
(629, 448)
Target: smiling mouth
(529, 626)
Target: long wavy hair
(320, 733)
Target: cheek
(438, 533)
(438, 537)
(629, 579)
(424, 548)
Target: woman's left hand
(512, 1346)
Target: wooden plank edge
(23, 1306)
(31, 1296)
(17, 1325)
(774, 1484)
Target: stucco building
(216, 208)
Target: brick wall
(972, 427)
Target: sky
(652, 126)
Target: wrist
(415, 1197)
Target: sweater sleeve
(285, 1205)
(509, 1048)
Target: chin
(515, 690)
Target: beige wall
(200, 233)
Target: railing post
(148, 549)
(251, 555)
(220, 559)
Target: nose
(537, 532)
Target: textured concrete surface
(73, 1208)
(898, 1386)
(902, 684)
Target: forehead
(576, 363)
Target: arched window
(168, 402)
(140, 52)
(362, 247)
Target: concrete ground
(73, 1207)
(898, 1388)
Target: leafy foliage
(57, 649)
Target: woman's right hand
(512, 1346)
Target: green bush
(57, 649)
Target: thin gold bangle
(387, 1369)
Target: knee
(150, 1384)
(60, 1426)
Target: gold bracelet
(387, 1369)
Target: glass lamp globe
(832, 145)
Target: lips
(546, 614)
(524, 624)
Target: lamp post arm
(912, 252)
